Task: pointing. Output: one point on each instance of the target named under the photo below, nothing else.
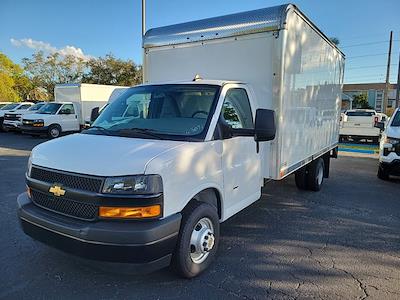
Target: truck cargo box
(291, 66)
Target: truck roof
(243, 23)
(199, 81)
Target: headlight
(28, 171)
(392, 141)
(139, 184)
(38, 123)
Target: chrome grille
(12, 117)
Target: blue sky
(94, 28)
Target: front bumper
(148, 244)
(11, 125)
(34, 130)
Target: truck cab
(13, 119)
(389, 148)
(13, 108)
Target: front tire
(315, 176)
(382, 173)
(198, 240)
(54, 131)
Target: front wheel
(54, 131)
(382, 173)
(198, 240)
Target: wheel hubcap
(54, 132)
(202, 240)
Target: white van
(13, 107)
(168, 161)
(13, 119)
(72, 107)
(389, 150)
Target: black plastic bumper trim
(134, 242)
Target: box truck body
(290, 66)
(227, 102)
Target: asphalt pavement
(340, 243)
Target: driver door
(69, 118)
(240, 160)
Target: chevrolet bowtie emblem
(57, 191)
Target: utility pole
(143, 17)
(386, 94)
(398, 85)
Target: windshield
(49, 108)
(36, 107)
(9, 106)
(396, 120)
(166, 111)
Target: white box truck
(168, 161)
(71, 109)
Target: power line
(363, 76)
(367, 55)
(368, 67)
(370, 43)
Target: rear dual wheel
(311, 176)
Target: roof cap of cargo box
(255, 21)
(260, 20)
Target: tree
(47, 71)
(114, 71)
(335, 40)
(360, 101)
(14, 84)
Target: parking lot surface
(340, 243)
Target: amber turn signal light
(29, 191)
(130, 212)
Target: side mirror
(380, 125)
(94, 114)
(265, 128)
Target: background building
(374, 93)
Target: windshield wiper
(143, 131)
(105, 130)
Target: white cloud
(39, 45)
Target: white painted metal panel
(309, 110)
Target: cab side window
(67, 109)
(236, 110)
